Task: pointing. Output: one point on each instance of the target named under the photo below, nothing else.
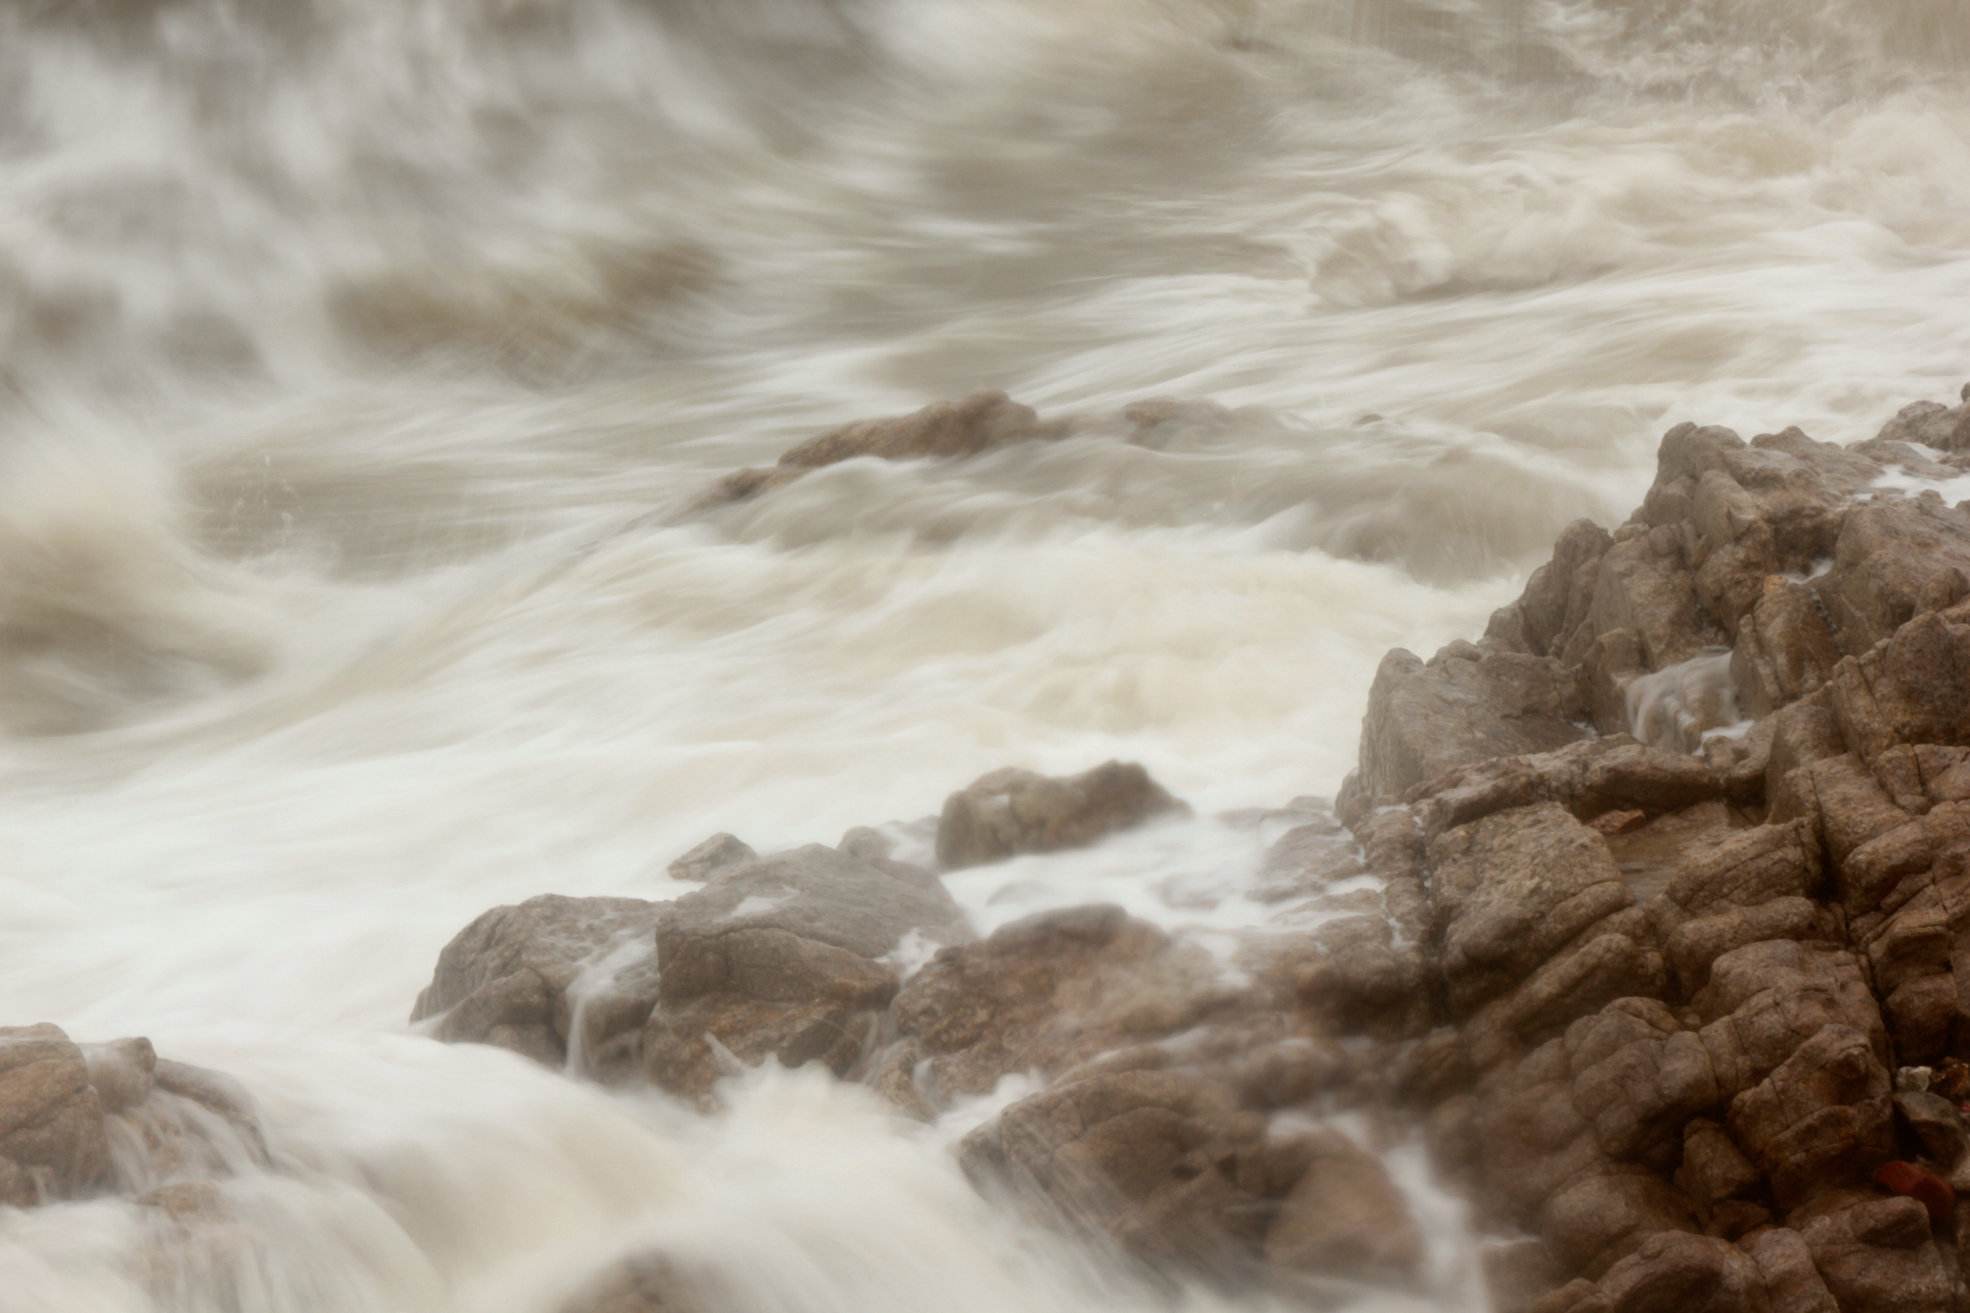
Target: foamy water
(358, 361)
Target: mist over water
(359, 360)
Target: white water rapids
(357, 358)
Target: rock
(122, 1071)
(516, 976)
(1345, 1218)
(1464, 706)
(1051, 991)
(1792, 1283)
(1876, 1255)
(718, 851)
(943, 430)
(1893, 561)
(1668, 988)
(77, 1120)
(1713, 1168)
(1167, 1165)
(53, 1141)
(783, 957)
(1013, 811)
(1673, 1272)
(1360, 978)
(1158, 1161)
(1510, 890)
(1935, 1123)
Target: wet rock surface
(944, 430)
(81, 1120)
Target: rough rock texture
(1671, 990)
(1014, 811)
(78, 1120)
(944, 430)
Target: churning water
(358, 361)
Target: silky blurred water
(359, 362)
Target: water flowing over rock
(943, 430)
(81, 1120)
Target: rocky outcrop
(79, 1120)
(1014, 811)
(944, 430)
(1673, 982)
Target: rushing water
(358, 359)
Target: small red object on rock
(1920, 1184)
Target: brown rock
(1821, 1118)
(1920, 1184)
(943, 430)
(1464, 706)
(1159, 1161)
(1512, 889)
(1673, 1272)
(718, 851)
(53, 1143)
(1785, 1263)
(1345, 1217)
(507, 979)
(1051, 991)
(1935, 1123)
(1013, 811)
(1876, 1255)
(782, 957)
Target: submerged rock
(1014, 811)
(944, 430)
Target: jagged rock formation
(1671, 992)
